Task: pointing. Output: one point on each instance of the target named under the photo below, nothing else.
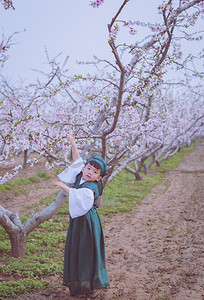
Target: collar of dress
(82, 181)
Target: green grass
(23, 181)
(32, 267)
(5, 245)
(15, 288)
(43, 174)
(124, 192)
(7, 186)
(34, 179)
(45, 246)
(60, 223)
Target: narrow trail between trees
(156, 251)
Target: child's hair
(95, 164)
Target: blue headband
(101, 162)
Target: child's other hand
(60, 184)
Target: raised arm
(75, 152)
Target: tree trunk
(138, 176)
(146, 169)
(18, 232)
(135, 173)
(158, 163)
(99, 201)
(25, 158)
(18, 243)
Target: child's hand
(62, 186)
(70, 138)
(75, 151)
(58, 183)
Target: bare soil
(156, 251)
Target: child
(84, 258)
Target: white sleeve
(80, 201)
(70, 173)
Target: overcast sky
(71, 27)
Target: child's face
(90, 173)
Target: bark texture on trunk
(18, 243)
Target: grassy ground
(45, 247)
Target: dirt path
(156, 251)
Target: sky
(72, 28)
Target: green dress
(84, 256)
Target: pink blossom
(96, 3)
(128, 67)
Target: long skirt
(84, 256)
